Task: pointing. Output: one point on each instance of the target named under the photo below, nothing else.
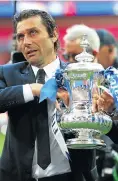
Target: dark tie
(43, 143)
(40, 77)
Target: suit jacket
(18, 151)
(17, 156)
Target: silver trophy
(85, 80)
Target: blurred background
(95, 14)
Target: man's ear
(55, 35)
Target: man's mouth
(31, 52)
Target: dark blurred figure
(16, 55)
(116, 62)
(110, 165)
(107, 56)
(5, 51)
(108, 50)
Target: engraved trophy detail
(84, 80)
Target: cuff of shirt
(27, 93)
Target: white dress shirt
(59, 161)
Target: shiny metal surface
(84, 80)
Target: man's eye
(33, 32)
(20, 37)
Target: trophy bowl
(85, 79)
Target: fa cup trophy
(85, 80)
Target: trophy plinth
(84, 80)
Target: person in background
(16, 55)
(108, 50)
(72, 40)
(107, 56)
(106, 161)
(107, 103)
(82, 161)
(5, 49)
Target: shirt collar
(50, 69)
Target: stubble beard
(38, 63)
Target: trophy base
(85, 144)
(86, 139)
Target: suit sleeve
(113, 134)
(9, 96)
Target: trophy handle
(106, 90)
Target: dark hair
(106, 37)
(47, 20)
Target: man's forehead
(71, 44)
(73, 47)
(70, 49)
(29, 23)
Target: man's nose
(27, 40)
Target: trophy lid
(84, 57)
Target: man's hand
(105, 102)
(36, 88)
(94, 103)
(64, 96)
(57, 106)
(61, 94)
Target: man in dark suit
(34, 147)
(106, 102)
(106, 57)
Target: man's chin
(32, 60)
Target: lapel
(27, 73)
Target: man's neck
(46, 60)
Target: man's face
(33, 40)
(72, 48)
(107, 55)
